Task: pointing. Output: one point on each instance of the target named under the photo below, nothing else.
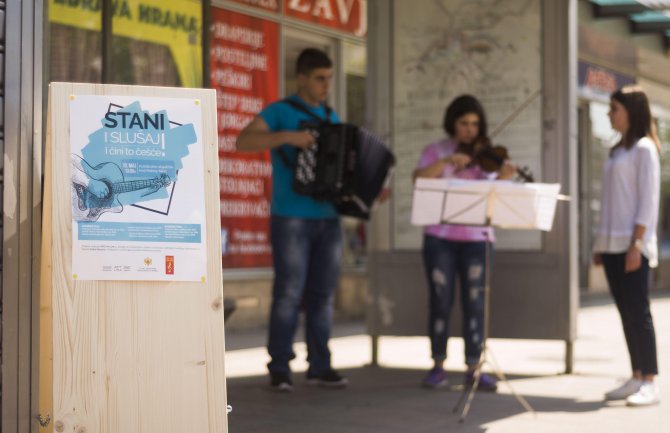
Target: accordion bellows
(347, 166)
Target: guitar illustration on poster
(96, 189)
(137, 188)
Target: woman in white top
(626, 243)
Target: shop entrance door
(347, 96)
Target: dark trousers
(631, 294)
(307, 254)
(445, 260)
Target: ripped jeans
(444, 260)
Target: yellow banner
(174, 23)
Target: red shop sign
(270, 5)
(346, 15)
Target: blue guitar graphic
(88, 204)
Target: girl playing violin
(451, 251)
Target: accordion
(346, 166)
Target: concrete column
(22, 183)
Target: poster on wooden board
(137, 188)
(131, 175)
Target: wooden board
(128, 356)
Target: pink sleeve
(428, 156)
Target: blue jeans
(630, 291)
(445, 260)
(307, 254)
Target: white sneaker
(630, 387)
(647, 395)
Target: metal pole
(569, 356)
(374, 341)
(470, 392)
(106, 33)
(206, 43)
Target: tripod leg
(469, 391)
(522, 401)
(461, 399)
(466, 388)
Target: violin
(491, 158)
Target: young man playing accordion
(305, 233)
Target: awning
(644, 16)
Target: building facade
(246, 49)
(614, 50)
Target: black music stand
(487, 204)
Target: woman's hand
(633, 259)
(458, 160)
(435, 170)
(507, 171)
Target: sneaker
(647, 395)
(436, 378)
(329, 379)
(281, 382)
(630, 387)
(486, 382)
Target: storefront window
(664, 220)
(603, 137)
(140, 62)
(596, 137)
(354, 230)
(155, 42)
(75, 51)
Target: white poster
(138, 202)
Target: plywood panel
(130, 356)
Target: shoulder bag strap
(301, 107)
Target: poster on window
(137, 188)
(244, 72)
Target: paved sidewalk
(389, 399)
